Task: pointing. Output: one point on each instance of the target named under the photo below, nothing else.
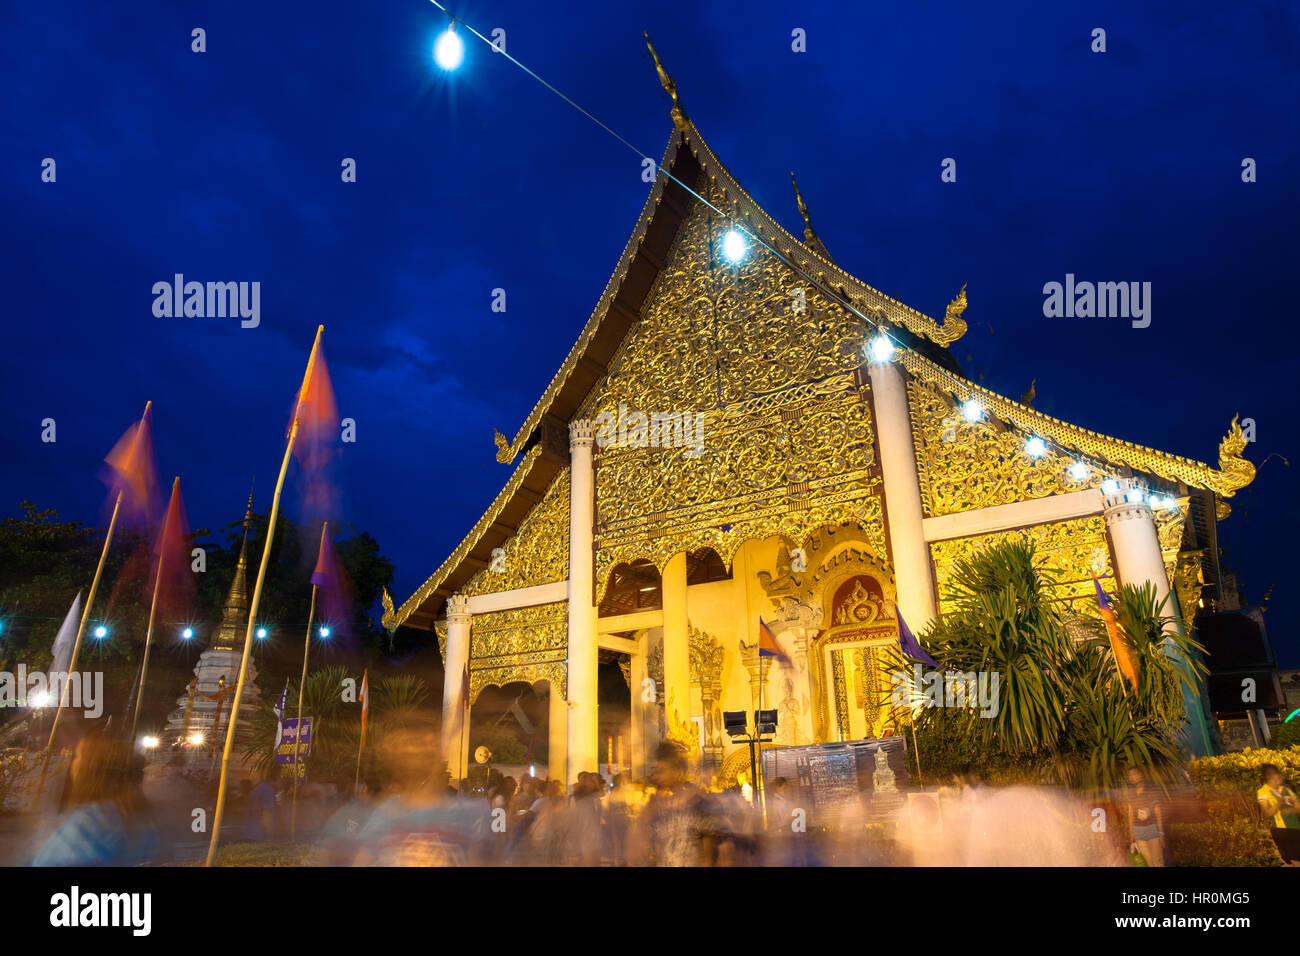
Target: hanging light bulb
(734, 246)
(449, 49)
(1110, 487)
(881, 349)
(1035, 447)
(971, 410)
(1079, 471)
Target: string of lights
(880, 349)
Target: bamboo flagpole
(257, 600)
(297, 737)
(365, 716)
(81, 627)
(153, 611)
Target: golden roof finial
(809, 234)
(954, 326)
(810, 237)
(1237, 471)
(680, 119)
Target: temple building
(197, 725)
(724, 443)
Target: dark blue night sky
(225, 166)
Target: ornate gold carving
(522, 644)
(440, 631)
(954, 326)
(871, 696)
(1235, 474)
(1187, 583)
(841, 697)
(1075, 550)
(964, 465)
(1237, 471)
(538, 553)
(729, 196)
(788, 439)
(882, 631)
(386, 601)
(554, 673)
(503, 447)
(706, 658)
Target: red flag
(172, 576)
(132, 472)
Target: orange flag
(132, 472)
(1118, 645)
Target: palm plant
(1000, 621)
(322, 701)
(1062, 699)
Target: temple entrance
(615, 713)
(851, 662)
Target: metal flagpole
(257, 600)
(297, 739)
(153, 610)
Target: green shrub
(1230, 838)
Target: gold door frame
(879, 633)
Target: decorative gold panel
(522, 644)
(786, 473)
(1075, 550)
(964, 465)
(538, 553)
(714, 334)
(1234, 471)
(788, 443)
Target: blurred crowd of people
(401, 814)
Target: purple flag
(911, 647)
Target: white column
(584, 748)
(903, 512)
(1136, 544)
(557, 735)
(455, 739)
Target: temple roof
(543, 437)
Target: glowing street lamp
(261, 633)
(196, 740)
(40, 699)
(449, 49)
(187, 633)
(100, 632)
(149, 743)
(324, 631)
